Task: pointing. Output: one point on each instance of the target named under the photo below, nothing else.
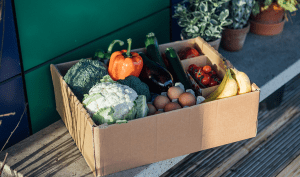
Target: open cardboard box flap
(158, 137)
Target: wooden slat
(293, 169)
(255, 142)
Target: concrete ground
(264, 57)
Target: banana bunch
(243, 81)
(233, 83)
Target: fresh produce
(152, 109)
(174, 92)
(108, 102)
(155, 76)
(161, 101)
(171, 106)
(125, 63)
(227, 88)
(204, 76)
(177, 70)
(188, 52)
(187, 99)
(153, 49)
(137, 85)
(206, 69)
(195, 85)
(104, 57)
(82, 76)
(213, 82)
(141, 107)
(243, 81)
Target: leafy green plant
(239, 12)
(204, 18)
(287, 5)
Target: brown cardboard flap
(171, 134)
(254, 87)
(215, 59)
(147, 140)
(57, 90)
(73, 115)
(199, 61)
(232, 119)
(174, 132)
(127, 146)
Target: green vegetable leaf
(107, 78)
(90, 98)
(141, 106)
(121, 121)
(132, 113)
(104, 115)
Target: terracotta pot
(266, 29)
(234, 39)
(268, 22)
(274, 14)
(215, 44)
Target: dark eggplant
(155, 76)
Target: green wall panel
(39, 82)
(49, 28)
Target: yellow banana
(227, 88)
(219, 90)
(231, 87)
(243, 81)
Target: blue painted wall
(12, 98)
(10, 65)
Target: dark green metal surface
(49, 28)
(39, 82)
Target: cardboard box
(158, 137)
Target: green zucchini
(153, 49)
(176, 68)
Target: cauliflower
(109, 102)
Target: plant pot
(266, 29)
(215, 44)
(268, 22)
(234, 39)
(273, 15)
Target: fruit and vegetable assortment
(204, 76)
(124, 85)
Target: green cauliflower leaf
(141, 106)
(104, 115)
